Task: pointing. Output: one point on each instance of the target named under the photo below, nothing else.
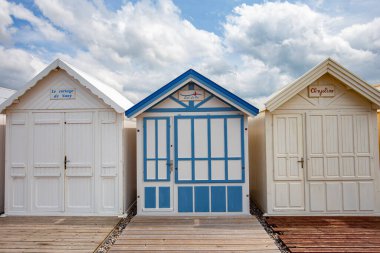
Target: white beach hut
(4, 95)
(192, 149)
(69, 147)
(314, 146)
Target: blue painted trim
(175, 149)
(153, 159)
(178, 101)
(156, 144)
(201, 199)
(209, 158)
(192, 151)
(210, 116)
(218, 198)
(185, 199)
(164, 197)
(225, 150)
(144, 149)
(150, 197)
(208, 181)
(205, 158)
(234, 199)
(195, 109)
(204, 101)
(191, 87)
(157, 96)
(242, 149)
(209, 147)
(168, 148)
(156, 159)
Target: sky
(250, 47)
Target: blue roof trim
(131, 112)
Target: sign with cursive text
(321, 91)
(191, 95)
(62, 93)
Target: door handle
(301, 161)
(171, 165)
(65, 162)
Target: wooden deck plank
(328, 234)
(54, 234)
(194, 234)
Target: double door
(323, 161)
(195, 166)
(62, 178)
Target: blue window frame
(226, 157)
(156, 157)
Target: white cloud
(140, 46)
(17, 66)
(292, 37)
(144, 45)
(364, 36)
(5, 22)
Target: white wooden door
(340, 162)
(288, 162)
(47, 175)
(79, 169)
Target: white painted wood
(234, 143)
(17, 188)
(218, 171)
(340, 145)
(85, 129)
(162, 139)
(151, 169)
(234, 170)
(217, 137)
(333, 196)
(212, 103)
(184, 170)
(47, 171)
(329, 67)
(151, 139)
(350, 196)
(200, 138)
(103, 92)
(2, 161)
(366, 196)
(79, 174)
(317, 197)
(288, 150)
(184, 138)
(201, 170)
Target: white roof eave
(327, 66)
(109, 95)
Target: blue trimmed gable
(173, 103)
(156, 102)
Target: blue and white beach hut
(192, 149)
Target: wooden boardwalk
(194, 234)
(54, 234)
(328, 234)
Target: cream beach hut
(314, 147)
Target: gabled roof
(5, 94)
(108, 94)
(182, 80)
(327, 66)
